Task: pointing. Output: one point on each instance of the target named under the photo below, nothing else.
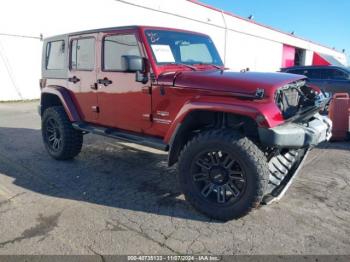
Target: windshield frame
(212, 50)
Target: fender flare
(175, 135)
(189, 107)
(66, 100)
(178, 128)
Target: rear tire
(61, 140)
(223, 174)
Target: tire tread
(73, 139)
(250, 151)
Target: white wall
(309, 55)
(261, 32)
(19, 68)
(245, 51)
(248, 44)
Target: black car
(332, 79)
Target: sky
(323, 21)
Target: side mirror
(134, 63)
(137, 65)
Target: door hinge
(153, 77)
(94, 86)
(147, 117)
(147, 90)
(95, 109)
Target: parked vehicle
(332, 79)
(238, 138)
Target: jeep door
(123, 102)
(82, 75)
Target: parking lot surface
(115, 199)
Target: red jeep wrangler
(239, 138)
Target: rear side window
(313, 73)
(338, 75)
(55, 55)
(83, 54)
(117, 46)
(297, 71)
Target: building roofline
(259, 24)
(315, 67)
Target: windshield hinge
(153, 77)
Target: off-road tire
(71, 139)
(250, 157)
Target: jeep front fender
(265, 114)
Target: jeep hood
(245, 83)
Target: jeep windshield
(182, 49)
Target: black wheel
(223, 174)
(61, 140)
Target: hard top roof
(107, 29)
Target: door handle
(74, 79)
(105, 81)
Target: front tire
(61, 140)
(223, 174)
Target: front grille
(288, 100)
(294, 97)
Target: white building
(242, 43)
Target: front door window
(117, 46)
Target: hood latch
(260, 93)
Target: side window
(325, 74)
(313, 73)
(83, 54)
(117, 46)
(55, 55)
(339, 75)
(297, 72)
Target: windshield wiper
(216, 66)
(186, 65)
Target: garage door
(288, 58)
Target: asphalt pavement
(119, 199)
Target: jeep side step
(152, 142)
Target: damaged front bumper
(292, 135)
